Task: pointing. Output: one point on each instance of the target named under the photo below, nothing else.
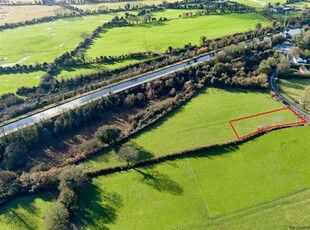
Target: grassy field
(250, 125)
(46, 41)
(289, 15)
(259, 4)
(295, 89)
(202, 121)
(11, 14)
(25, 212)
(11, 82)
(262, 184)
(117, 5)
(124, 40)
(255, 185)
(71, 72)
(302, 5)
(281, 214)
(209, 188)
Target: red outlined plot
(301, 121)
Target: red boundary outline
(302, 121)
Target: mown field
(225, 189)
(11, 14)
(160, 35)
(202, 121)
(46, 41)
(297, 90)
(11, 82)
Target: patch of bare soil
(67, 146)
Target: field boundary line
(263, 206)
(200, 190)
(302, 121)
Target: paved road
(274, 88)
(53, 112)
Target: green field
(258, 185)
(25, 212)
(117, 5)
(208, 185)
(71, 72)
(250, 125)
(302, 5)
(11, 82)
(295, 89)
(289, 15)
(202, 121)
(160, 35)
(259, 4)
(254, 185)
(46, 41)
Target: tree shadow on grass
(211, 153)
(97, 208)
(159, 181)
(143, 153)
(292, 85)
(12, 210)
(151, 24)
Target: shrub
(108, 134)
(15, 155)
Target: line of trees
(73, 12)
(52, 91)
(303, 44)
(236, 66)
(61, 212)
(211, 7)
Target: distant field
(160, 35)
(233, 185)
(71, 72)
(259, 4)
(116, 5)
(18, 1)
(46, 41)
(10, 14)
(295, 90)
(9, 83)
(202, 121)
(26, 212)
(289, 15)
(303, 4)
